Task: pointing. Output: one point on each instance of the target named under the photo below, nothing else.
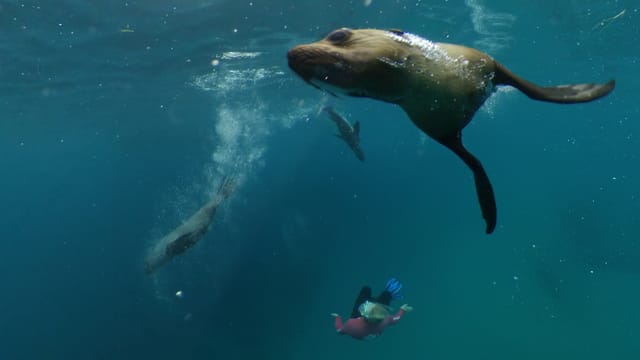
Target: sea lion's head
(364, 62)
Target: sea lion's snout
(320, 66)
(297, 59)
(344, 63)
(320, 59)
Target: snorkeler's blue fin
(391, 292)
(394, 286)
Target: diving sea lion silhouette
(189, 232)
(348, 133)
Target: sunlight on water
(494, 27)
(294, 228)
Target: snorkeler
(189, 233)
(370, 316)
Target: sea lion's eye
(339, 36)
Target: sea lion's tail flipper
(564, 94)
(483, 185)
(325, 108)
(227, 185)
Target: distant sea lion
(349, 134)
(439, 86)
(189, 233)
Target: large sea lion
(348, 133)
(188, 233)
(440, 86)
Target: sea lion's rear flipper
(227, 185)
(483, 185)
(325, 108)
(363, 295)
(564, 94)
(356, 128)
(181, 244)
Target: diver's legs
(364, 295)
(391, 291)
(384, 298)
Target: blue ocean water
(119, 118)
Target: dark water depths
(115, 126)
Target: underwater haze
(119, 119)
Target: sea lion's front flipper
(181, 244)
(483, 185)
(564, 94)
(356, 128)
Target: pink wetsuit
(359, 328)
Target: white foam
(240, 134)
(490, 105)
(430, 49)
(232, 55)
(246, 113)
(434, 52)
(224, 80)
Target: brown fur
(440, 86)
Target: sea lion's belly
(444, 96)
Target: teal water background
(110, 138)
